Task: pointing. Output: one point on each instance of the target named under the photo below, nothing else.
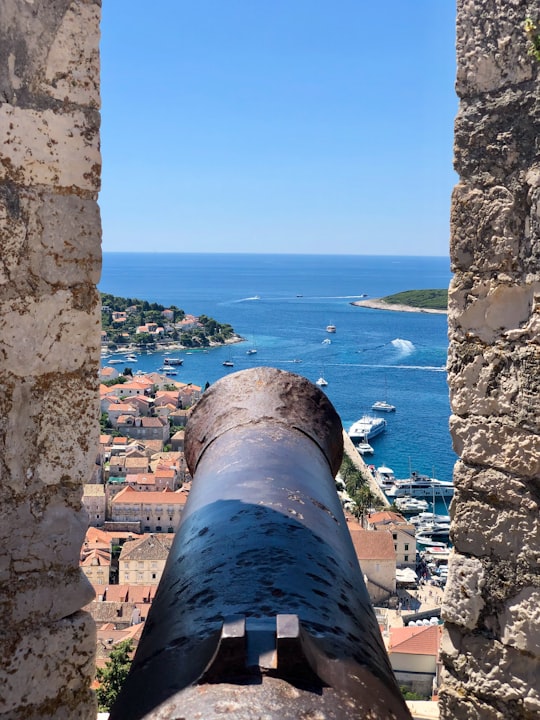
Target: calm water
(282, 304)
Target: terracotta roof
(120, 440)
(373, 544)
(142, 479)
(415, 640)
(95, 535)
(385, 516)
(95, 557)
(117, 593)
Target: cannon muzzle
(262, 611)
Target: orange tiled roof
(415, 640)
(373, 544)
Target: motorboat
(364, 448)
(411, 504)
(383, 406)
(251, 351)
(433, 537)
(173, 361)
(321, 382)
(367, 427)
(228, 363)
(326, 341)
(425, 517)
(421, 486)
(330, 328)
(116, 362)
(384, 476)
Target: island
(129, 323)
(427, 301)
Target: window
(406, 546)
(153, 576)
(394, 536)
(406, 558)
(158, 528)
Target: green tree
(113, 675)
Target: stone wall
(491, 645)
(49, 357)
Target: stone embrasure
(491, 646)
(50, 168)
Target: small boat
(327, 341)
(169, 371)
(385, 477)
(228, 363)
(131, 358)
(331, 328)
(367, 427)
(173, 361)
(383, 406)
(321, 382)
(364, 448)
(251, 351)
(116, 362)
(410, 504)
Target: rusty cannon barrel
(262, 611)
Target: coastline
(378, 304)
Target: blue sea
(281, 305)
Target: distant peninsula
(428, 301)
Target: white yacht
(411, 504)
(383, 406)
(364, 448)
(321, 382)
(421, 486)
(367, 427)
(330, 328)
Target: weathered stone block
(492, 672)
(463, 600)
(491, 46)
(496, 488)
(481, 529)
(488, 229)
(487, 309)
(57, 334)
(50, 148)
(519, 623)
(504, 447)
(72, 63)
(499, 381)
(47, 666)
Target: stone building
(141, 561)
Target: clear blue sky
(303, 126)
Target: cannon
(262, 611)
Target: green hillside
(428, 299)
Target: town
(135, 501)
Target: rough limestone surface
(50, 263)
(491, 643)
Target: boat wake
(405, 347)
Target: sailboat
(321, 382)
(383, 405)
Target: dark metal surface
(262, 591)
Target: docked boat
(385, 477)
(321, 382)
(366, 428)
(364, 448)
(411, 504)
(116, 362)
(430, 537)
(383, 406)
(425, 518)
(421, 486)
(331, 328)
(173, 361)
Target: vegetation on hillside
(357, 486)
(203, 333)
(427, 299)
